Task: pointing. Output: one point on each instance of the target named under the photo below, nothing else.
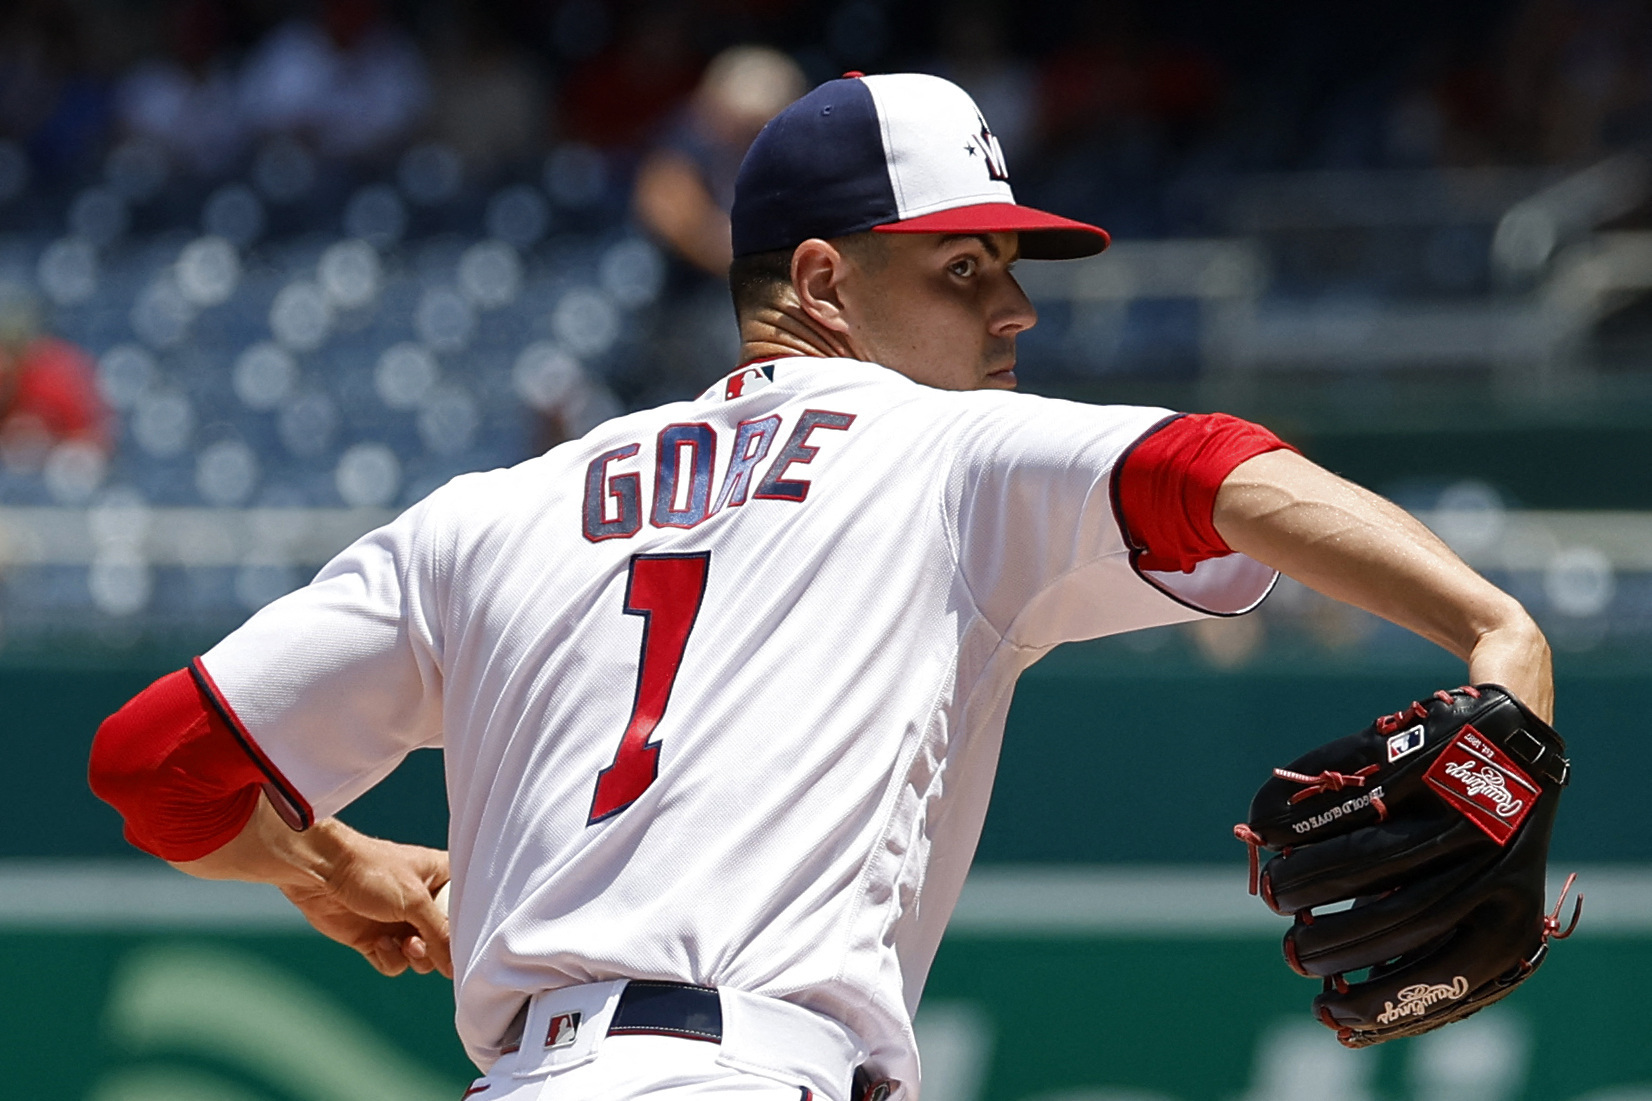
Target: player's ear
(818, 269)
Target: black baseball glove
(1434, 822)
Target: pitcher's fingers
(385, 954)
(432, 928)
(1371, 860)
(418, 955)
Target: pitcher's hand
(379, 898)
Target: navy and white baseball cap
(897, 153)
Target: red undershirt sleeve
(170, 764)
(1166, 489)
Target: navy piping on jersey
(288, 803)
(1137, 551)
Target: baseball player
(721, 685)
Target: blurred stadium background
(271, 271)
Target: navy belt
(649, 1008)
(696, 1013)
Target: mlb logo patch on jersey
(1405, 743)
(745, 381)
(564, 1030)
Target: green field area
(1095, 986)
(1111, 755)
(1105, 950)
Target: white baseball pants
(769, 1051)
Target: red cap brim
(1044, 236)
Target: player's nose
(1014, 312)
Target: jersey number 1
(665, 589)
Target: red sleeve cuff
(171, 765)
(1166, 486)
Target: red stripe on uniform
(293, 808)
(1165, 488)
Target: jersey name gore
(1417, 1000)
(683, 468)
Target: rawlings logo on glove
(1474, 777)
(1442, 849)
(1415, 1000)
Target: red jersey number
(665, 589)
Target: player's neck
(779, 331)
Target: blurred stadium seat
(303, 323)
(270, 387)
(297, 379)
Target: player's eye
(963, 268)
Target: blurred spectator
(1095, 80)
(619, 97)
(1446, 111)
(1115, 106)
(48, 388)
(685, 187)
(1578, 77)
(186, 101)
(51, 95)
(1567, 81)
(352, 84)
(29, 72)
(683, 193)
(1111, 77)
(488, 104)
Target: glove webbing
(1325, 781)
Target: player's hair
(758, 280)
(755, 280)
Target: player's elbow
(122, 766)
(177, 779)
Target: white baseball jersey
(721, 685)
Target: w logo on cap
(997, 167)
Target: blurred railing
(132, 532)
(1497, 269)
(1586, 575)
